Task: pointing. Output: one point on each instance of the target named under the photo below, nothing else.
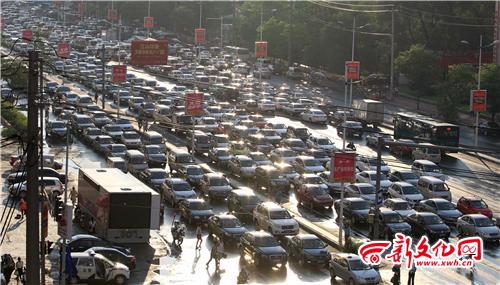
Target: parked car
(352, 129)
(390, 223)
(307, 164)
(20, 176)
(191, 173)
(82, 242)
(320, 142)
(115, 150)
(263, 249)
(298, 132)
(306, 249)
(154, 156)
(314, 116)
(56, 130)
(51, 185)
(242, 165)
(363, 190)
(226, 227)
(432, 187)
(154, 177)
(427, 168)
(370, 163)
(426, 152)
(259, 158)
(370, 176)
(372, 138)
(94, 267)
(115, 255)
(474, 205)
(131, 139)
(195, 211)
(350, 268)
(281, 154)
(270, 178)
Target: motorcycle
(178, 234)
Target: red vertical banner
(343, 166)
(63, 50)
(119, 73)
(194, 104)
(199, 36)
(28, 35)
(478, 100)
(352, 70)
(260, 49)
(81, 8)
(112, 14)
(148, 22)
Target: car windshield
(392, 218)
(313, 243)
(357, 265)
(198, 206)
(318, 191)
(223, 153)
(183, 186)
(119, 148)
(360, 205)
(279, 214)
(367, 190)
(122, 121)
(259, 157)
(83, 120)
(401, 206)
(314, 180)
(324, 142)
(432, 220)
(301, 132)
(478, 204)
(218, 181)
(209, 121)
(266, 241)
(279, 126)
(409, 190)
(373, 162)
(432, 168)
(184, 159)
(58, 125)
(297, 143)
(246, 163)
(194, 171)
(113, 128)
(440, 187)
(433, 151)
(445, 206)
(408, 175)
(131, 136)
(311, 162)
(484, 222)
(288, 153)
(373, 177)
(249, 200)
(230, 223)
(153, 150)
(268, 133)
(158, 175)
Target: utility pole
(32, 218)
(352, 56)
(103, 73)
(391, 88)
(290, 15)
(380, 143)
(42, 113)
(496, 50)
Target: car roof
(242, 157)
(260, 234)
(243, 192)
(272, 205)
(157, 170)
(475, 216)
(307, 237)
(426, 214)
(402, 183)
(397, 200)
(385, 210)
(348, 256)
(214, 175)
(472, 198)
(362, 185)
(431, 179)
(84, 236)
(424, 162)
(226, 217)
(176, 180)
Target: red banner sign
(148, 22)
(343, 166)
(119, 73)
(478, 100)
(352, 70)
(199, 36)
(63, 50)
(28, 35)
(81, 8)
(112, 14)
(194, 104)
(149, 52)
(260, 49)
(2, 24)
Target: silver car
(441, 207)
(350, 268)
(478, 225)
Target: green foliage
(15, 73)
(490, 80)
(421, 68)
(16, 119)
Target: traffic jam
(189, 136)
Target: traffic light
(58, 209)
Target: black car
(191, 173)
(20, 176)
(263, 248)
(391, 223)
(115, 255)
(155, 157)
(355, 209)
(153, 177)
(56, 130)
(270, 178)
(490, 128)
(226, 227)
(195, 210)
(242, 202)
(306, 248)
(82, 242)
(429, 224)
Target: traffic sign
(148, 22)
(260, 49)
(199, 35)
(63, 50)
(478, 100)
(352, 70)
(194, 104)
(150, 52)
(28, 35)
(119, 73)
(343, 166)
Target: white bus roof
(114, 180)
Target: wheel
(120, 279)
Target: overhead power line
(401, 7)
(326, 5)
(360, 5)
(445, 23)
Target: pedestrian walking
(19, 269)
(198, 237)
(396, 278)
(213, 251)
(73, 195)
(139, 123)
(220, 254)
(23, 206)
(145, 125)
(347, 230)
(96, 97)
(411, 274)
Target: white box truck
(368, 111)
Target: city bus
(422, 128)
(239, 52)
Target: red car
(259, 120)
(314, 196)
(474, 205)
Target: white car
(51, 185)
(123, 123)
(279, 128)
(320, 142)
(365, 191)
(207, 124)
(370, 163)
(314, 116)
(281, 103)
(277, 220)
(94, 266)
(308, 164)
(370, 176)
(405, 191)
(266, 105)
(423, 167)
(282, 154)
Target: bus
(239, 52)
(422, 128)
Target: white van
(423, 167)
(427, 153)
(432, 187)
(93, 266)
